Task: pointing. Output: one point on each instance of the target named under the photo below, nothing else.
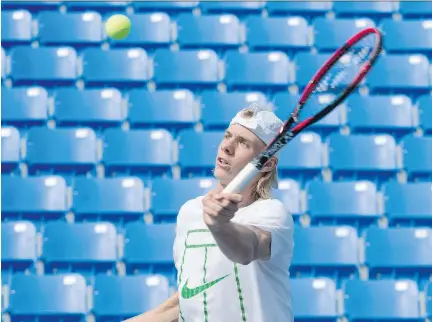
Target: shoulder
(270, 211)
(189, 207)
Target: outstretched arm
(168, 311)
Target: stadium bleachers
(103, 141)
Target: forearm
(166, 312)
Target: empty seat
(33, 197)
(424, 104)
(363, 156)
(194, 68)
(173, 7)
(85, 248)
(180, 191)
(421, 9)
(331, 34)
(305, 8)
(257, 70)
(46, 65)
(126, 67)
(54, 296)
(199, 31)
(399, 253)
(356, 203)
(95, 108)
(417, 157)
(141, 152)
(150, 30)
(69, 151)
(18, 248)
(10, 149)
(111, 199)
(409, 203)
(372, 9)
(197, 152)
(218, 109)
(411, 74)
(238, 7)
(306, 65)
(128, 296)
(4, 59)
(289, 193)
(31, 5)
(149, 249)
(16, 27)
(24, 106)
(413, 36)
(429, 300)
(316, 299)
(102, 6)
(78, 29)
(380, 114)
(381, 300)
(171, 109)
(275, 33)
(325, 251)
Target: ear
(270, 165)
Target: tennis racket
(339, 76)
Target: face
(237, 148)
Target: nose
(228, 146)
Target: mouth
(222, 162)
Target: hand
(220, 208)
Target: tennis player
(233, 251)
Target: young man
(233, 251)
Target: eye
(244, 143)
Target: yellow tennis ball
(118, 26)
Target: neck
(248, 196)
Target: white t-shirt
(214, 289)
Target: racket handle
(244, 177)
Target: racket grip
(242, 179)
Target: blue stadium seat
(84, 248)
(170, 109)
(289, 193)
(331, 34)
(289, 34)
(111, 199)
(308, 9)
(218, 109)
(356, 203)
(238, 7)
(123, 297)
(381, 300)
(325, 251)
(399, 253)
(54, 297)
(126, 67)
(412, 36)
(197, 152)
(179, 191)
(33, 197)
(421, 9)
(95, 108)
(173, 7)
(380, 114)
(18, 248)
(10, 149)
(315, 299)
(33, 6)
(150, 30)
(68, 151)
(285, 102)
(429, 300)
(192, 68)
(24, 107)
(199, 31)
(44, 65)
(425, 113)
(268, 70)
(417, 157)
(149, 249)
(411, 75)
(373, 9)
(4, 65)
(139, 152)
(366, 156)
(408, 203)
(16, 27)
(101, 6)
(302, 158)
(78, 29)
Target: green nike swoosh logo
(188, 293)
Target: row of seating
(306, 8)
(334, 252)
(154, 30)
(116, 298)
(24, 107)
(126, 199)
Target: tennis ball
(118, 26)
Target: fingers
(232, 197)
